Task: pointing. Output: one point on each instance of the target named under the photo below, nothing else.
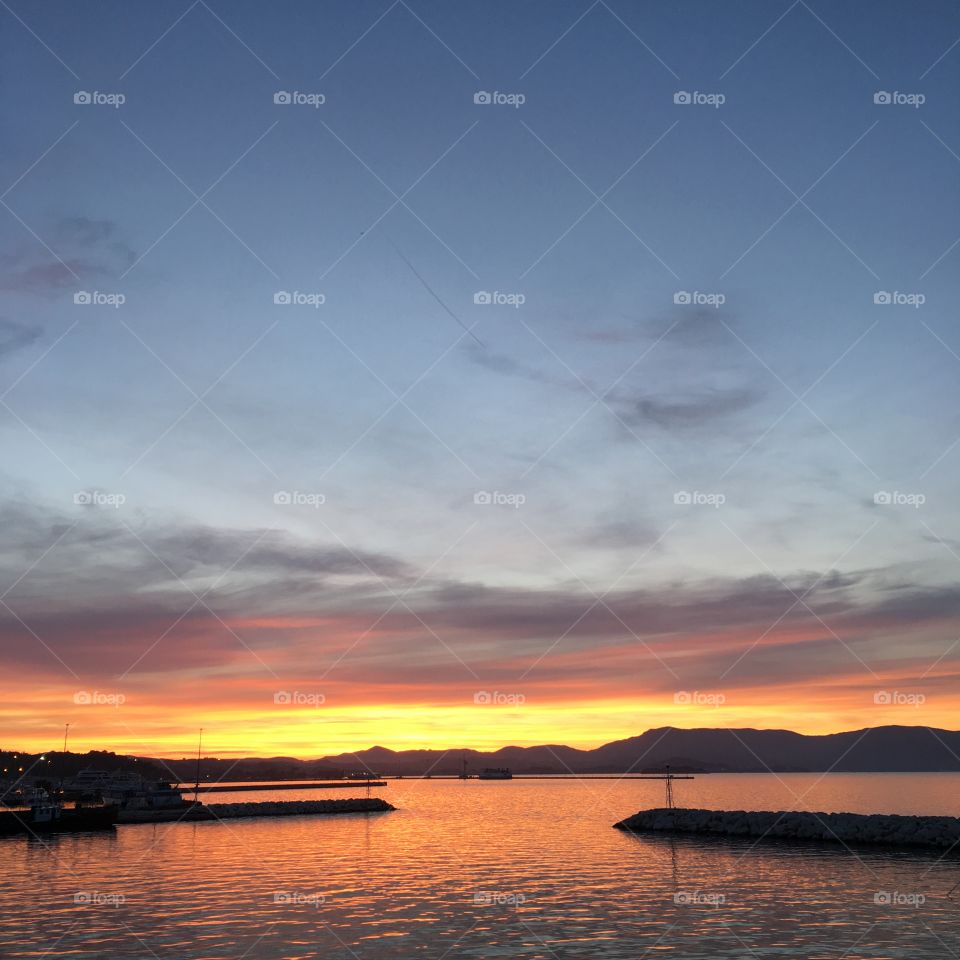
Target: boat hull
(20, 823)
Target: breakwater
(289, 785)
(276, 808)
(890, 830)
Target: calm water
(469, 869)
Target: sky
(430, 374)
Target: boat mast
(196, 789)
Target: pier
(282, 785)
(277, 808)
(890, 830)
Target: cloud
(686, 412)
(100, 558)
(101, 601)
(508, 367)
(15, 336)
(85, 249)
(619, 533)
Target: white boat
(88, 783)
(147, 795)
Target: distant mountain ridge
(888, 749)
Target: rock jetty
(272, 808)
(297, 808)
(889, 830)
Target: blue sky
(597, 400)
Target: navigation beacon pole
(668, 779)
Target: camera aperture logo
(486, 498)
(298, 899)
(494, 898)
(296, 298)
(897, 698)
(698, 898)
(99, 498)
(498, 698)
(94, 898)
(498, 99)
(698, 299)
(894, 298)
(95, 98)
(698, 99)
(886, 98)
(296, 98)
(897, 498)
(97, 298)
(486, 298)
(298, 698)
(298, 498)
(696, 498)
(894, 898)
(97, 698)
(699, 698)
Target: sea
(528, 868)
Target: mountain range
(874, 749)
(884, 749)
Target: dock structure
(891, 830)
(206, 812)
(292, 785)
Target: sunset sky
(269, 520)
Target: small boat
(151, 803)
(495, 773)
(85, 785)
(50, 816)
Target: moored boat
(50, 816)
(151, 802)
(495, 773)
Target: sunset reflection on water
(527, 868)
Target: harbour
(567, 883)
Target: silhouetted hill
(874, 749)
(249, 768)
